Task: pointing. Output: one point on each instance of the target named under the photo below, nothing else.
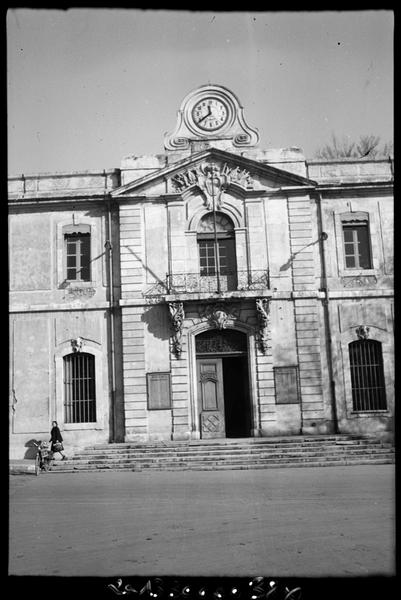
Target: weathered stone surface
(145, 218)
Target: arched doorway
(224, 407)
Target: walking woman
(56, 440)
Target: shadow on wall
(383, 427)
(289, 262)
(31, 449)
(158, 321)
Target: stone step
(229, 466)
(251, 450)
(219, 459)
(189, 452)
(231, 448)
(233, 453)
(237, 442)
(228, 455)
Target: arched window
(216, 243)
(367, 375)
(79, 388)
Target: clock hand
(205, 116)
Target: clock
(209, 114)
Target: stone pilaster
(131, 251)
(134, 376)
(180, 394)
(309, 360)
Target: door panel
(211, 397)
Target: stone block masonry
(309, 359)
(134, 375)
(131, 251)
(180, 394)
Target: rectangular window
(159, 396)
(207, 256)
(227, 256)
(357, 246)
(79, 388)
(286, 384)
(78, 256)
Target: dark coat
(55, 435)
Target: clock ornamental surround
(213, 115)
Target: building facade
(214, 290)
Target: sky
(87, 87)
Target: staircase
(244, 453)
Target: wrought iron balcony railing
(226, 281)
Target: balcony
(228, 282)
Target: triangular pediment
(196, 171)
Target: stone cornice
(358, 187)
(249, 295)
(57, 307)
(218, 155)
(54, 198)
(206, 297)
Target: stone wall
(38, 342)
(277, 227)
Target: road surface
(298, 522)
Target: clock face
(209, 114)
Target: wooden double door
(223, 397)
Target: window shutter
(286, 382)
(159, 397)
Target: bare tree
(368, 146)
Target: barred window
(367, 375)
(79, 388)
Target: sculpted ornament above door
(219, 314)
(213, 179)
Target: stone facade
(295, 304)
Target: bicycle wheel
(37, 464)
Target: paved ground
(296, 522)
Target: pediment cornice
(235, 171)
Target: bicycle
(43, 458)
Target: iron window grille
(367, 376)
(79, 388)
